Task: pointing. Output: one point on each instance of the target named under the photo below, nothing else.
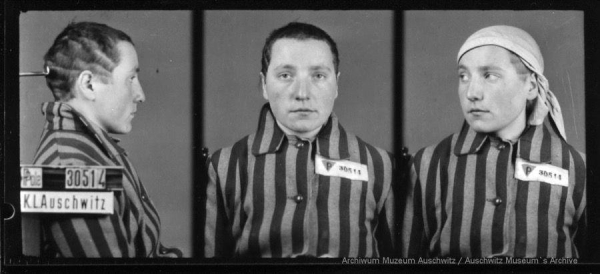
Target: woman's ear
(532, 86)
(263, 84)
(85, 86)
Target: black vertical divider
(400, 152)
(9, 150)
(397, 68)
(591, 24)
(200, 154)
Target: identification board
(92, 202)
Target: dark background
(162, 144)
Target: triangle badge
(328, 164)
(528, 169)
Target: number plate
(85, 178)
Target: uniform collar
(269, 138)
(61, 116)
(471, 142)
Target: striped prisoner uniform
(264, 198)
(133, 230)
(464, 199)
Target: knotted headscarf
(524, 46)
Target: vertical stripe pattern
(133, 230)
(464, 200)
(264, 198)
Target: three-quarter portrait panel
(496, 98)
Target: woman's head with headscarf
(520, 46)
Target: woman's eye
(491, 77)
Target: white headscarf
(523, 45)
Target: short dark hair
(81, 46)
(299, 31)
